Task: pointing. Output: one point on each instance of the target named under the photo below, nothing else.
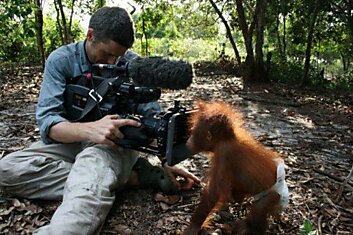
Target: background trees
(304, 41)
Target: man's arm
(50, 108)
(103, 131)
(50, 113)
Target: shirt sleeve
(50, 108)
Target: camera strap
(95, 96)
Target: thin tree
(253, 69)
(64, 25)
(260, 27)
(228, 31)
(39, 29)
(309, 41)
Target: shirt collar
(85, 63)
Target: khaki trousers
(85, 177)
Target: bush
(188, 49)
(345, 82)
(291, 71)
(52, 37)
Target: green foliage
(18, 42)
(332, 48)
(89, 6)
(163, 19)
(307, 228)
(192, 30)
(186, 48)
(52, 38)
(343, 82)
(291, 71)
(18, 36)
(150, 20)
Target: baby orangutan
(241, 167)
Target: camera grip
(135, 135)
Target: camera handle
(134, 136)
(95, 96)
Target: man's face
(103, 52)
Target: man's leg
(38, 172)
(89, 192)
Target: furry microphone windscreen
(160, 72)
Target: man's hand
(189, 178)
(103, 131)
(107, 129)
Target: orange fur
(240, 166)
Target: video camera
(108, 90)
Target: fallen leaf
(15, 202)
(168, 199)
(8, 211)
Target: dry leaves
(20, 216)
(311, 129)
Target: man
(79, 162)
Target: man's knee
(102, 165)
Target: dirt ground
(311, 129)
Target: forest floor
(311, 129)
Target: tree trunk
(253, 69)
(261, 73)
(228, 30)
(281, 39)
(39, 30)
(309, 41)
(284, 40)
(69, 26)
(343, 59)
(248, 68)
(247, 34)
(278, 35)
(58, 23)
(66, 36)
(144, 33)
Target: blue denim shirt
(66, 62)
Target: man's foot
(150, 176)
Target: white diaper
(280, 186)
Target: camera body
(163, 134)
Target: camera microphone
(160, 72)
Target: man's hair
(113, 23)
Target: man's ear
(90, 34)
